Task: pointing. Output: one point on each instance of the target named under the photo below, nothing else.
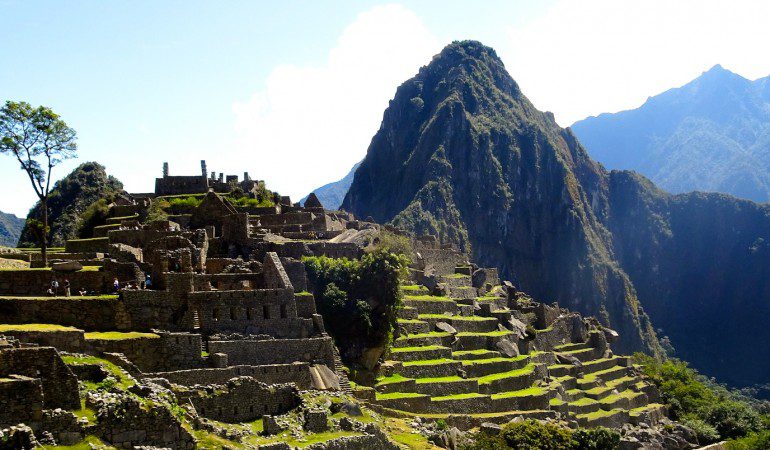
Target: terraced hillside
(501, 355)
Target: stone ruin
(211, 310)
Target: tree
(39, 140)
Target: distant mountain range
(463, 154)
(712, 134)
(331, 194)
(10, 229)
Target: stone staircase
(446, 361)
(339, 369)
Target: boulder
(507, 348)
(445, 327)
(66, 266)
(610, 335)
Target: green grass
(455, 318)
(455, 276)
(473, 362)
(599, 414)
(119, 336)
(88, 443)
(594, 375)
(395, 378)
(555, 402)
(73, 297)
(488, 298)
(90, 239)
(428, 362)
(498, 333)
(405, 321)
(124, 381)
(432, 298)
(458, 397)
(450, 379)
(424, 348)
(530, 392)
(585, 401)
(641, 409)
(36, 327)
(397, 395)
(474, 352)
(503, 375)
(411, 287)
(434, 334)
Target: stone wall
(245, 399)
(276, 351)
(167, 351)
(21, 399)
(297, 373)
(37, 282)
(93, 245)
(181, 184)
(296, 272)
(60, 385)
(90, 314)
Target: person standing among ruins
(116, 284)
(148, 281)
(66, 287)
(55, 287)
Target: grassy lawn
(424, 348)
(529, 368)
(395, 395)
(521, 393)
(395, 378)
(432, 298)
(39, 327)
(118, 336)
(450, 379)
(458, 397)
(429, 362)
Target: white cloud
(311, 123)
(592, 56)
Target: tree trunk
(44, 234)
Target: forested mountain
(68, 200)
(10, 229)
(461, 153)
(712, 134)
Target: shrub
(754, 441)
(595, 439)
(703, 431)
(96, 214)
(358, 299)
(732, 419)
(534, 435)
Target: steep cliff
(10, 229)
(461, 153)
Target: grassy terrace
(423, 348)
(531, 392)
(411, 288)
(434, 334)
(503, 375)
(118, 336)
(458, 397)
(447, 317)
(473, 362)
(432, 298)
(73, 297)
(429, 362)
(395, 395)
(35, 327)
(458, 275)
(599, 414)
(497, 333)
(27, 269)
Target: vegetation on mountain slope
(10, 229)
(69, 199)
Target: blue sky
(293, 91)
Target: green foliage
(595, 439)
(441, 424)
(358, 298)
(96, 214)
(713, 411)
(157, 210)
(69, 199)
(754, 441)
(394, 243)
(534, 435)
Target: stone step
(404, 401)
(401, 384)
(534, 398)
(483, 367)
(414, 326)
(475, 354)
(572, 346)
(584, 405)
(425, 339)
(610, 419)
(560, 370)
(430, 368)
(626, 400)
(414, 289)
(584, 355)
(604, 364)
(427, 304)
(420, 353)
(465, 292)
(472, 324)
(407, 312)
(460, 403)
(479, 341)
(436, 387)
(513, 380)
